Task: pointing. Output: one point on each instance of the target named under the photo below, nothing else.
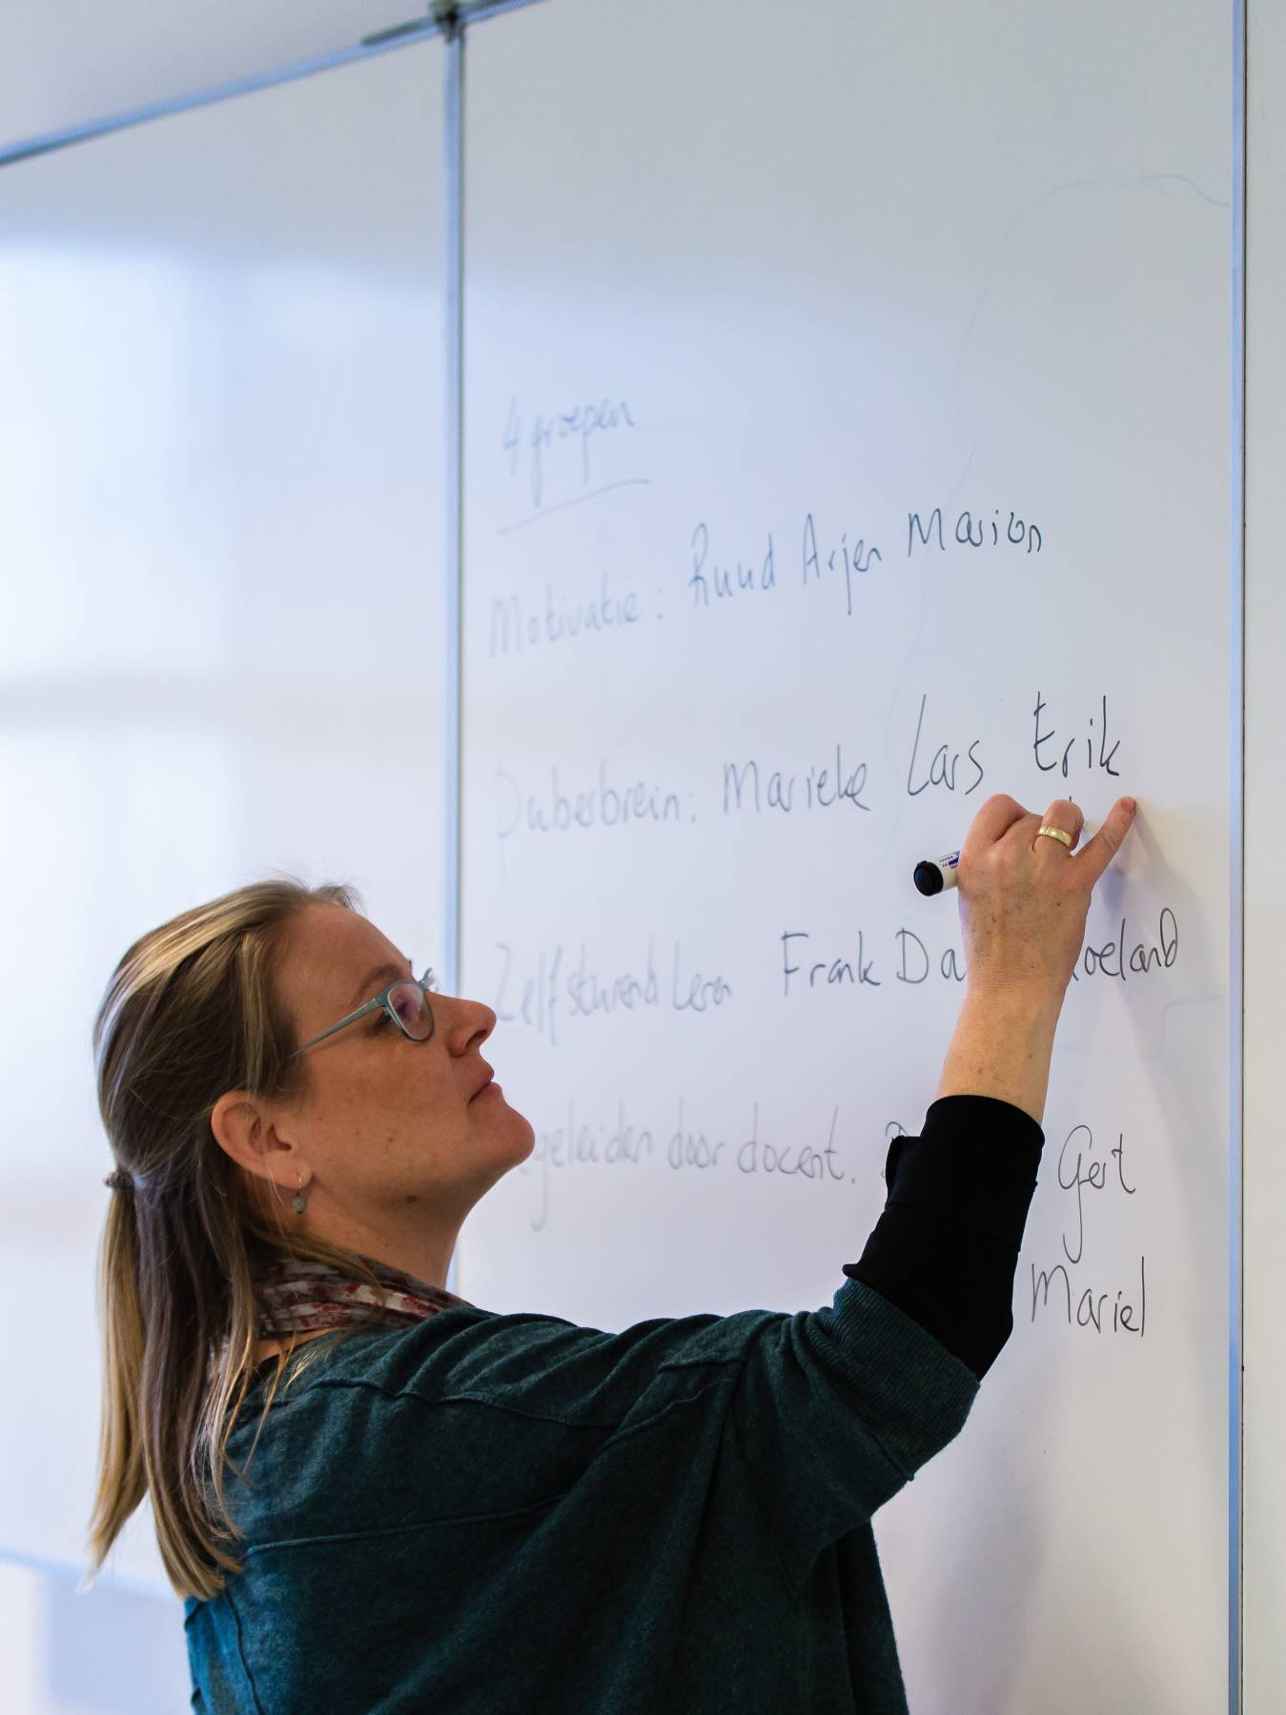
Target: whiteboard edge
(453, 569)
(1236, 1010)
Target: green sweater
(513, 1515)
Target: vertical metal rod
(453, 509)
(453, 292)
(1237, 820)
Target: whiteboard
(220, 464)
(849, 437)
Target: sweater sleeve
(833, 1412)
(946, 1247)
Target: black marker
(935, 875)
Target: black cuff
(946, 1247)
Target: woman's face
(394, 1140)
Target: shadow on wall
(113, 1650)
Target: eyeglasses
(406, 1002)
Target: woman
(435, 1507)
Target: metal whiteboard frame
(1237, 878)
(453, 539)
(453, 521)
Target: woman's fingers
(993, 821)
(1104, 845)
(1069, 819)
(1022, 908)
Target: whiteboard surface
(220, 481)
(748, 300)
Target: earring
(297, 1201)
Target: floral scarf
(298, 1296)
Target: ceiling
(66, 62)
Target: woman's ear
(242, 1128)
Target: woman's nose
(469, 1025)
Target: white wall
(120, 1649)
(221, 457)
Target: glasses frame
(424, 984)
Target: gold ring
(1056, 834)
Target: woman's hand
(1024, 898)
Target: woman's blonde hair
(191, 1011)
